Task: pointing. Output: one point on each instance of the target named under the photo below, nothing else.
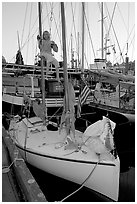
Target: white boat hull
(104, 180)
(39, 149)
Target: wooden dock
(18, 184)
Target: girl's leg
(51, 59)
(56, 64)
(47, 68)
(48, 60)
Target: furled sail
(68, 117)
(38, 109)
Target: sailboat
(113, 93)
(88, 158)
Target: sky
(20, 21)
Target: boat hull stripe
(65, 159)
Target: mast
(18, 40)
(78, 51)
(102, 49)
(72, 53)
(64, 56)
(66, 82)
(83, 36)
(42, 72)
(126, 65)
(19, 58)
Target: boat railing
(123, 99)
(12, 67)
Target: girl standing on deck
(46, 46)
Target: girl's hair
(47, 33)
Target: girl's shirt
(45, 46)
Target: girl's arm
(39, 41)
(54, 46)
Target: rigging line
(29, 38)
(29, 32)
(51, 16)
(116, 37)
(50, 117)
(100, 9)
(83, 182)
(128, 22)
(86, 61)
(122, 18)
(131, 32)
(56, 26)
(127, 28)
(90, 39)
(28, 35)
(85, 57)
(47, 15)
(131, 43)
(104, 23)
(69, 43)
(68, 39)
(112, 18)
(74, 23)
(66, 31)
(128, 38)
(13, 58)
(24, 24)
(59, 36)
(107, 35)
(33, 50)
(68, 47)
(133, 50)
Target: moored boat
(88, 158)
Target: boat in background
(112, 91)
(19, 80)
(113, 95)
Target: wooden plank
(9, 188)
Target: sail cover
(68, 117)
(38, 109)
